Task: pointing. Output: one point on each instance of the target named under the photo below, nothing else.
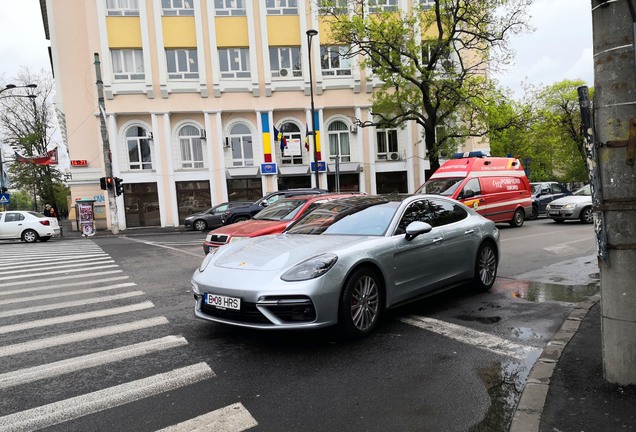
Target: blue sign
(322, 166)
(5, 199)
(269, 169)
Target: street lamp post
(310, 34)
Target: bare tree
(432, 61)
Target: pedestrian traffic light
(102, 183)
(110, 183)
(119, 186)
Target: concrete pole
(615, 125)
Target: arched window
(191, 147)
(293, 152)
(338, 134)
(139, 154)
(241, 144)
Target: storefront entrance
(141, 205)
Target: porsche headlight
(207, 259)
(311, 268)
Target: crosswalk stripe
(84, 282)
(232, 418)
(69, 338)
(51, 279)
(61, 271)
(49, 370)
(54, 306)
(79, 406)
(471, 337)
(75, 317)
(57, 264)
(65, 294)
(58, 255)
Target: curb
(527, 417)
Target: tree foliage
(431, 64)
(27, 125)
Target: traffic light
(110, 183)
(119, 186)
(102, 183)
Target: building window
(387, 143)
(336, 7)
(177, 7)
(122, 7)
(234, 62)
(191, 147)
(128, 64)
(292, 154)
(333, 61)
(281, 7)
(182, 63)
(285, 62)
(139, 154)
(383, 5)
(338, 135)
(427, 4)
(229, 7)
(241, 145)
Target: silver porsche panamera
(346, 262)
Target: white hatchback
(27, 225)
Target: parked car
(545, 192)
(29, 226)
(211, 218)
(239, 214)
(346, 262)
(577, 206)
(271, 220)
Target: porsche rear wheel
(486, 266)
(361, 303)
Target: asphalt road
(98, 335)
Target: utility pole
(108, 163)
(614, 24)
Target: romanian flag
(278, 136)
(307, 138)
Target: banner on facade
(50, 158)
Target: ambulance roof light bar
(479, 154)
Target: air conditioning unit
(393, 156)
(285, 72)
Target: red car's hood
(252, 228)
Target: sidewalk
(566, 391)
(68, 233)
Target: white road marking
(23, 268)
(29, 299)
(48, 259)
(232, 418)
(28, 375)
(42, 308)
(471, 337)
(63, 278)
(69, 338)
(75, 317)
(61, 271)
(79, 406)
(149, 243)
(84, 282)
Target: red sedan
(271, 220)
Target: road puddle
(543, 292)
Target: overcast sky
(560, 48)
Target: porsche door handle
(469, 231)
(437, 240)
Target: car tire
(200, 225)
(30, 236)
(587, 216)
(486, 266)
(361, 303)
(240, 219)
(559, 220)
(518, 218)
(535, 212)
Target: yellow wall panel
(283, 30)
(324, 31)
(123, 32)
(179, 32)
(231, 32)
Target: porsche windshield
(441, 186)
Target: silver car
(577, 206)
(347, 261)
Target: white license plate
(554, 213)
(222, 302)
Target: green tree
(27, 123)
(431, 63)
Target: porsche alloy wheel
(486, 267)
(361, 303)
